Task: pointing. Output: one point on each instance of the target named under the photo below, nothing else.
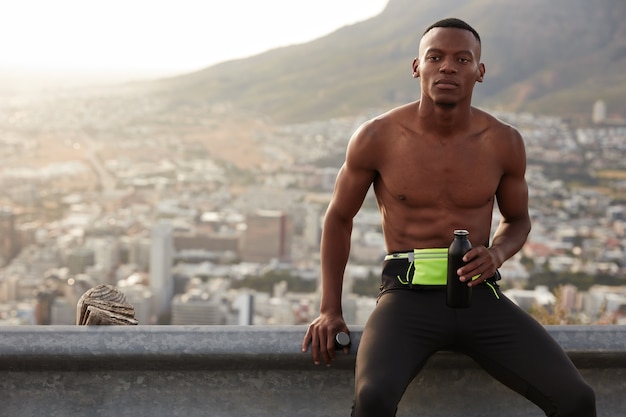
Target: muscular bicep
(351, 188)
(512, 198)
(512, 193)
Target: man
(436, 165)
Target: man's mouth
(446, 84)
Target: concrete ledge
(255, 371)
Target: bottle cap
(461, 232)
(342, 339)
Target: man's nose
(447, 67)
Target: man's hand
(480, 261)
(321, 337)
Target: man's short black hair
(452, 22)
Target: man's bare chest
(465, 177)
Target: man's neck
(444, 118)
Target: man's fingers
(307, 340)
(315, 347)
(320, 336)
(330, 348)
(323, 346)
(319, 345)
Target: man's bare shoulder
(371, 140)
(496, 126)
(387, 123)
(399, 116)
(492, 121)
(507, 142)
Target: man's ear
(481, 73)
(416, 70)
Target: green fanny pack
(426, 266)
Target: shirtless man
(439, 164)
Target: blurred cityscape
(96, 192)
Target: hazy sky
(161, 36)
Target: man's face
(448, 65)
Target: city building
(161, 261)
(268, 236)
(9, 246)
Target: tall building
(106, 253)
(137, 251)
(599, 111)
(8, 236)
(313, 226)
(268, 236)
(161, 260)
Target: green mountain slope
(552, 57)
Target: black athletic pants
(409, 325)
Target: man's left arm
(514, 227)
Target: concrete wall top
(245, 371)
(231, 346)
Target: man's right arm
(350, 191)
(353, 181)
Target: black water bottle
(342, 339)
(458, 294)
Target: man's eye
(464, 60)
(433, 58)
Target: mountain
(552, 57)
